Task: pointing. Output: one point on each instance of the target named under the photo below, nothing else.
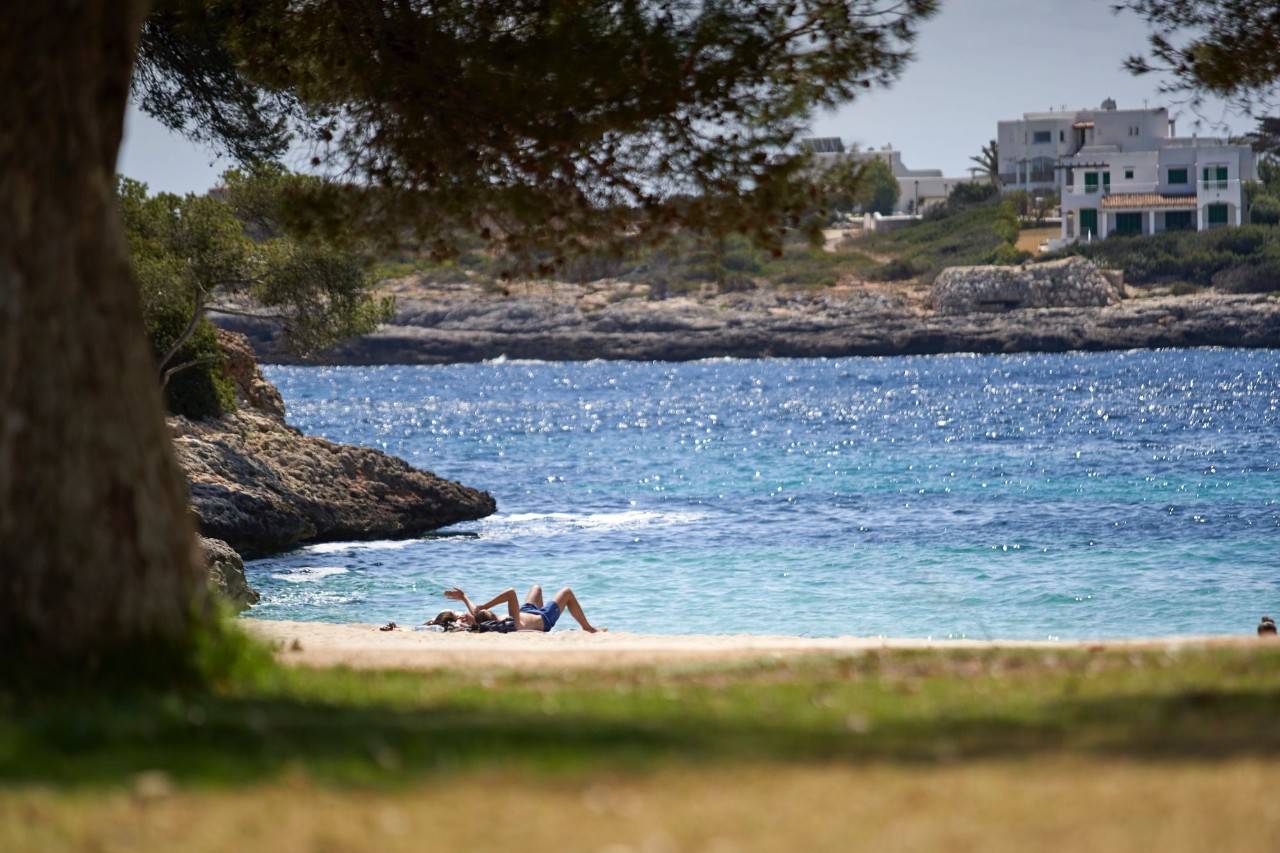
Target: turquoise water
(1029, 496)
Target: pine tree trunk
(97, 548)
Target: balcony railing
(1189, 188)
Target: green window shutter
(1106, 179)
(1217, 214)
(1177, 176)
(1128, 223)
(1222, 173)
(1091, 182)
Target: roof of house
(1148, 200)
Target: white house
(1124, 172)
(917, 188)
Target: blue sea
(1027, 496)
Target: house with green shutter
(1146, 185)
(1125, 171)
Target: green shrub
(898, 269)
(947, 236)
(203, 389)
(1266, 210)
(1007, 254)
(969, 194)
(1261, 276)
(1190, 256)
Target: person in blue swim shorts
(533, 615)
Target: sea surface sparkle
(1029, 496)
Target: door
(1088, 221)
(1128, 223)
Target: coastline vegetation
(196, 253)
(1234, 260)
(972, 227)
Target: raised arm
(457, 594)
(512, 601)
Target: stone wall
(1068, 283)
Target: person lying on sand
(460, 620)
(533, 615)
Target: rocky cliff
(443, 324)
(262, 486)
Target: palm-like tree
(989, 161)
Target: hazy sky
(978, 61)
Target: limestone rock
(265, 487)
(226, 573)
(1067, 283)
(253, 391)
(466, 323)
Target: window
(1177, 176)
(1128, 174)
(1043, 136)
(1062, 136)
(1178, 220)
(1217, 214)
(1128, 223)
(1091, 182)
(1215, 177)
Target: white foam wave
(309, 574)
(546, 523)
(375, 545)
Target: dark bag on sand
(496, 626)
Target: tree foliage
(562, 126)
(877, 187)
(1225, 48)
(229, 251)
(988, 160)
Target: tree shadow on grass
(226, 740)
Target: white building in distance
(1124, 171)
(917, 188)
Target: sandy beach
(366, 647)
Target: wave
(550, 523)
(375, 545)
(309, 574)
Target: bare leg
(535, 596)
(568, 601)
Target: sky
(978, 62)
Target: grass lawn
(991, 749)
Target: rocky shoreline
(448, 324)
(259, 486)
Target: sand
(366, 647)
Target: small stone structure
(1067, 283)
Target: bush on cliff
(203, 389)
(232, 250)
(1196, 257)
(1260, 276)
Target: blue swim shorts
(550, 613)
